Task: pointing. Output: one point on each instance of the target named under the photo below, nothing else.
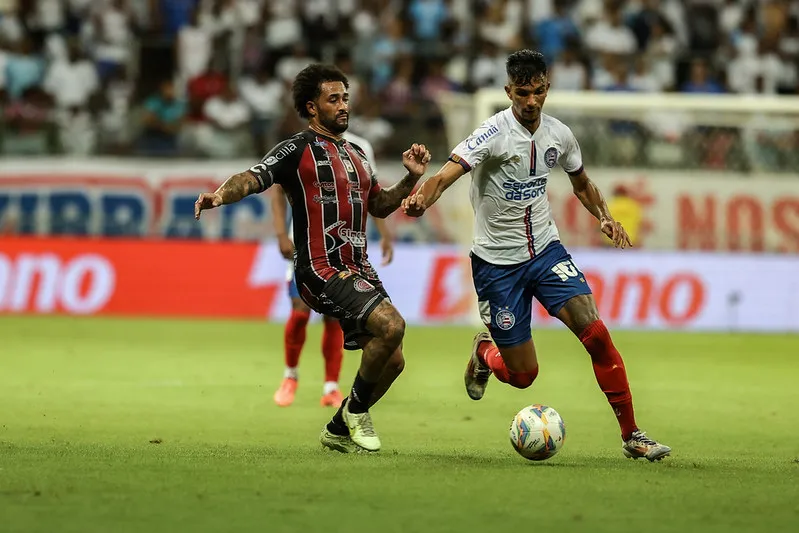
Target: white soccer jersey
(510, 169)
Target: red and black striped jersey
(328, 183)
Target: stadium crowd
(210, 78)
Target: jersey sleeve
(571, 159)
(280, 163)
(482, 144)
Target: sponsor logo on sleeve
(481, 136)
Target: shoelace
(367, 428)
(642, 438)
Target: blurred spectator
(554, 33)
(642, 79)
(609, 35)
(225, 133)
(398, 96)
(568, 73)
(163, 116)
(370, 124)
(24, 69)
(27, 121)
(428, 18)
(387, 48)
(661, 52)
(501, 23)
(264, 96)
(77, 131)
(3, 64)
(115, 117)
(73, 81)
(174, 14)
(488, 68)
(193, 48)
(112, 33)
(700, 80)
(283, 26)
(289, 66)
(208, 84)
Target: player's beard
(334, 124)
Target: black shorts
(345, 296)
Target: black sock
(361, 394)
(336, 426)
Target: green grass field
(166, 426)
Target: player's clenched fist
(414, 205)
(207, 200)
(415, 159)
(616, 232)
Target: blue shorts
(505, 292)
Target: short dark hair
(308, 84)
(523, 66)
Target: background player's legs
(580, 315)
(333, 353)
(294, 335)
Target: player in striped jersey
(331, 187)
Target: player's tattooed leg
(388, 328)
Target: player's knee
(394, 331)
(523, 380)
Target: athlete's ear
(310, 106)
(507, 91)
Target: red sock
(489, 354)
(610, 374)
(294, 337)
(332, 349)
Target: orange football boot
(284, 396)
(332, 399)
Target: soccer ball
(537, 432)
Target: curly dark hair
(523, 66)
(308, 84)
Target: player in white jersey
(516, 252)
(294, 333)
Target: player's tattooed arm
(591, 197)
(386, 201)
(234, 189)
(238, 186)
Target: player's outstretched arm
(386, 201)
(416, 204)
(591, 197)
(234, 189)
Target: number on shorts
(565, 270)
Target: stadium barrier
(681, 210)
(429, 284)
